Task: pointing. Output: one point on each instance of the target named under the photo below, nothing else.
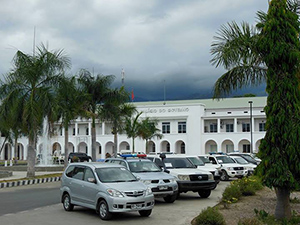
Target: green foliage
(266, 218)
(231, 194)
(209, 216)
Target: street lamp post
(251, 133)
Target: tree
(269, 53)
(149, 131)
(132, 128)
(98, 88)
(30, 85)
(70, 105)
(115, 109)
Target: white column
(103, 128)
(219, 125)
(76, 129)
(235, 125)
(12, 152)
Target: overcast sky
(163, 45)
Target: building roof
(211, 103)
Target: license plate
(136, 206)
(163, 188)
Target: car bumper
(237, 173)
(164, 190)
(129, 204)
(195, 186)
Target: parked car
(188, 177)
(229, 168)
(249, 166)
(246, 156)
(79, 157)
(105, 187)
(201, 165)
(163, 185)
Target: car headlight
(148, 191)
(115, 193)
(216, 173)
(230, 168)
(172, 181)
(211, 177)
(184, 177)
(146, 182)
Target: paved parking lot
(181, 212)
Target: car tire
(224, 176)
(204, 193)
(145, 213)
(170, 198)
(103, 211)
(215, 186)
(68, 206)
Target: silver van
(107, 188)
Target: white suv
(188, 177)
(229, 168)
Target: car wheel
(215, 186)
(145, 213)
(68, 206)
(204, 193)
(104, 211)
(224, 176)
(170, 198)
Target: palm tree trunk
(31, 156)
(16, 151)
(93, 140)
(66, 146)
(115, 150)
(283, 207)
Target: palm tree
(70, 105)
(148, 130)
(115, 109)
(270, 52)
(97, 88)
(30, 85)
(132, 128)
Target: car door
(77, 183)
(90, 187)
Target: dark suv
(79, 157)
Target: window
(99, 149)
(182, 148)
(168, 147)
(229, 127)
(262, 126)
(88, 174)
(213, 128)
(73, 131)
(246, 127)
(229, 148)
(181, 127)
(78, 173)
(246, 148)
(87, 131)
(69, 171)
(166, 127)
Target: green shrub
(232, 193)
(250, 221)
(249, 185)
(209, 216)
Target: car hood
(127, 186)
(190, 171)
(233, 165)
(153, 175)
(209, 167)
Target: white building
(188, 126)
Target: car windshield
(172, 163)
(204, 159)
(224, 159)
(240, 160)
(249, 158)
(115, 174)
(143, 166)
(196, 161)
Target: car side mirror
(92, 180)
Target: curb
(29, 182)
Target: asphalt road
(38, 204)
(18, 199)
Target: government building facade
(188, 126)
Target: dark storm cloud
(152, 40)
